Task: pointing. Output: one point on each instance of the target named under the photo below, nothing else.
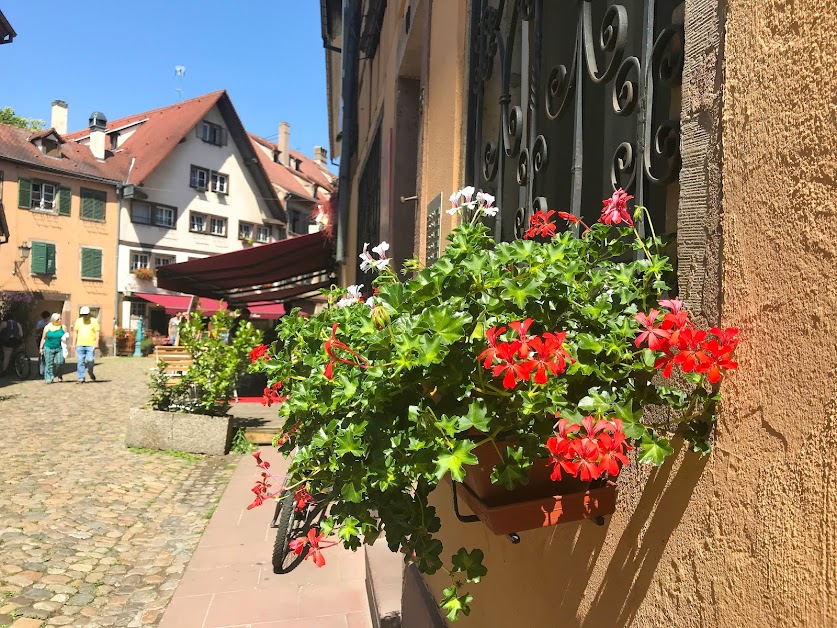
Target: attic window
(50, 147)
(212, 133)
(275, 156)
(114, 140)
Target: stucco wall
(169, 185)
(69, 234)
(746, 536)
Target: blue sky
(119, 58)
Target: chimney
(98, 128)
(58, 119)
(284, 143)
(321, 156)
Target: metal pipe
(350, 64)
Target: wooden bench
(177, 361)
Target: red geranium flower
(303, 498)
(692, 356)
(521, 327)
(666, 362)
(514, 370)
(550, 355)
(492, 334)
(588, 453)
(657, 336)
(258, 351)
(569, 217)
(616, 209)
(332, 345)
(271, 395)
(540, 225)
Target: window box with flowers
(144, 274)
(517, 372)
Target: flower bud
(380, 316)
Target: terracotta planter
(540, 503)
(125, 346)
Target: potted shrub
(190, 401)
(518, 372)
(125, 340)
(144, 274)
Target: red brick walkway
(230, 582)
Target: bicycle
(22, 364)
(291, 524)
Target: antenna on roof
(179, 72)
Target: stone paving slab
(230, 581)
(91, 533)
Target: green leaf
(348, 442)
(469, 563)
(454, 604)
(477, 418)
(349, 530)
(511, 471)
(654, 450)
(518, 292)
(351, 493)
(452, 461)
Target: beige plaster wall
(747, 536)
(69, 234)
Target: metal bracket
(460, 516)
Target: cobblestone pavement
(91, 533)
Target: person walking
(11, 337)
(85, 340)
(174, 327)
(51, 351)
(39, 331)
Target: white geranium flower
(468, 193)
(367, 261)
(354, 292)
(381, 249)
(487, 201)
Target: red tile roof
(157, 137)
(280, 175)
(308, 169)
(16, 145)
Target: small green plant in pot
(542, 351)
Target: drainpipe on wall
(350, 63)
(120, 198)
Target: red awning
(180, 303)
(265, 274)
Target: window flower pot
(540, 503)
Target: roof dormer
(48, 142)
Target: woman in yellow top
(51, 349)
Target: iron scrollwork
(622, 51)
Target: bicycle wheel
(22, 365)
(291, 526)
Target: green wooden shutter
(38, 257)
(24, 193)
(91, 263)
(65, 197)
(50, 259)
(93, 205)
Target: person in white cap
(85, 340)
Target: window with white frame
(140, 260)
(219, 183)
(197, 223)
(138, 309)
(218, 226)
(245, 231)
(211, 133)
(263, 234)
(163, 260)
(199, 178)
(164, 217)
(43, 195)
(141, 213)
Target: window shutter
(65, 198)
(24, 193)
(93, 205)
(91, 263)
(38, 257)
(100, 201)
(50, 259)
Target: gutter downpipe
(350, 63)
(120, 198)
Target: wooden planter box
(125, 347)
(540, 503)
(180, 431)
